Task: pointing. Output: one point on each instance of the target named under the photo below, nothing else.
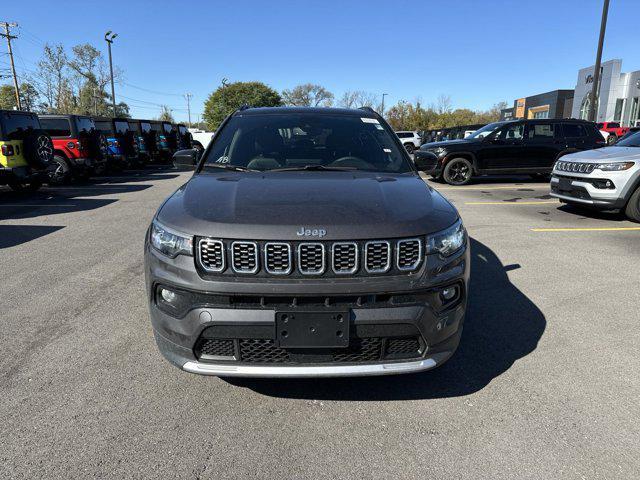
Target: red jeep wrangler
(78, 146)
(614, 130)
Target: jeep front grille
(377, 256)
(575, 167)
(408, 254)
(311, 258)
(277, 258)
(340, 258)
(244, 257)
(211, 255)
(344, 257)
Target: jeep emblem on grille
(311, 232)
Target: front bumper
(401, 314)
(580, 189)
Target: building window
(584, 107)
(633, 118)
(538, 112)
(617, 115)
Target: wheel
(409, 147)
(458, 171)
(25, 187)
(58, 171)
(611, 139)
(633, 206)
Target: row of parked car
(56, 149)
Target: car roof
(354, 112)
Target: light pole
(382, 105)
(593, 110)
(109, 37)
(188, 97)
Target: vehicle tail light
(7, 150)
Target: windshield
(486, 130)
(271, 142)
(630, 141)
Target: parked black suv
(512, 147)
(306, 244)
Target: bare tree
(308, 95)
(359, 98)
(165, 114)
(52, 77)
(444, 104)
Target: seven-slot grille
(408, 254)
(344, 257)
(377, 256)
(211, 255)
(244, 257)
(575, 167)
(310, 258)
(277, 258)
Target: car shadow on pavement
(12, 235)
(584, 213)
(502, 326)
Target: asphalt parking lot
(545, 383)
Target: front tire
(409, 147)
(458, 171)
(632, 211)
(611, 139)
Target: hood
(612, 154)
(448, 143)
(274, 206)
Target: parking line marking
(517, 187)
(584, 229)
(546, 202)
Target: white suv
(410, 140)
(606, 178)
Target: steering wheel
(350, 161)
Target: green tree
(229, 97)
(165, 114)
(7, 97)
(308, 95)
(29, 97)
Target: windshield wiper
(314, 167)
(227, 166)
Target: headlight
(170, 243)
(615, 167)
(448, 241)
(438, 151)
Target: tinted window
(541, 131)
(56, 127)
(134, 127)
(121, 126)
(269, 142)
(84, 124)
(512, 132)
(104, 127)
(145, 126)
(404, 134)
(156, 127)
(182, 129)
(614, 125)
(166, 127)
(573, 130)
(15, 124)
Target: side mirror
(186, 159)
(425, 161)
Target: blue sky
(478, 52)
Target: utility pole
(382, 106)
(593, 110)
(9, 37)
(109, 37)
(189, 96)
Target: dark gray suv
(306, 244)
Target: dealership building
(555, 104)
(618, 94)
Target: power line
(151, 91)
(7, 34)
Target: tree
(165, 114)
(29, 97)
(358, 98)
(7, 97)
(228, 97)
(52, 79)
(308, 95)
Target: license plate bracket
(312, 329)
(565, 184)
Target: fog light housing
(168, 296)
(449, 293)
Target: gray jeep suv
(306, 244)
